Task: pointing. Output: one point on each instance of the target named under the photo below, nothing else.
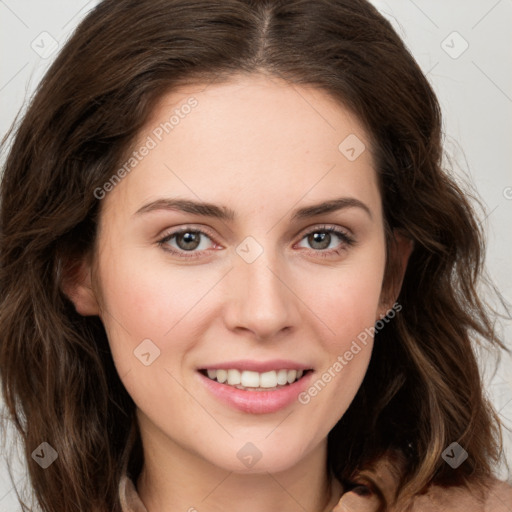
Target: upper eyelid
(207, 232)
(320, 227)
(204, 231)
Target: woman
(234, 274)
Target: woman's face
(256, 284)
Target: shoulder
(496, 497)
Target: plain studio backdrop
(464, 48)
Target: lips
(256, 387)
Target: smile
(254, 381)
(255, 392)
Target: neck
(172, 478)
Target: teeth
(250, 379)
(282, 377)
(255, 380)
(222, 375)
(234, 377)
(268, 380)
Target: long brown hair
(423, 388)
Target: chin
(259, 457)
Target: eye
(187, 240)
(321, 237)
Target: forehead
(253, 140)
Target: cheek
(149, 311)
(346, 299)
(347, 309)
(149, 298)
(153, 300)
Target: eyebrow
(226, 214)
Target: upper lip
(258, 366)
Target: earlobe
(77, 286)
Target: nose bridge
(261, 300)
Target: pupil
(189, 238)
(319, 238)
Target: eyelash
(347, 240)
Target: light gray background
(473, 84)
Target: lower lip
(257, 402)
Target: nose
(261, 298)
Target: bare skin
(262, 148)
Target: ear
(77, 286)
(399, 252)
